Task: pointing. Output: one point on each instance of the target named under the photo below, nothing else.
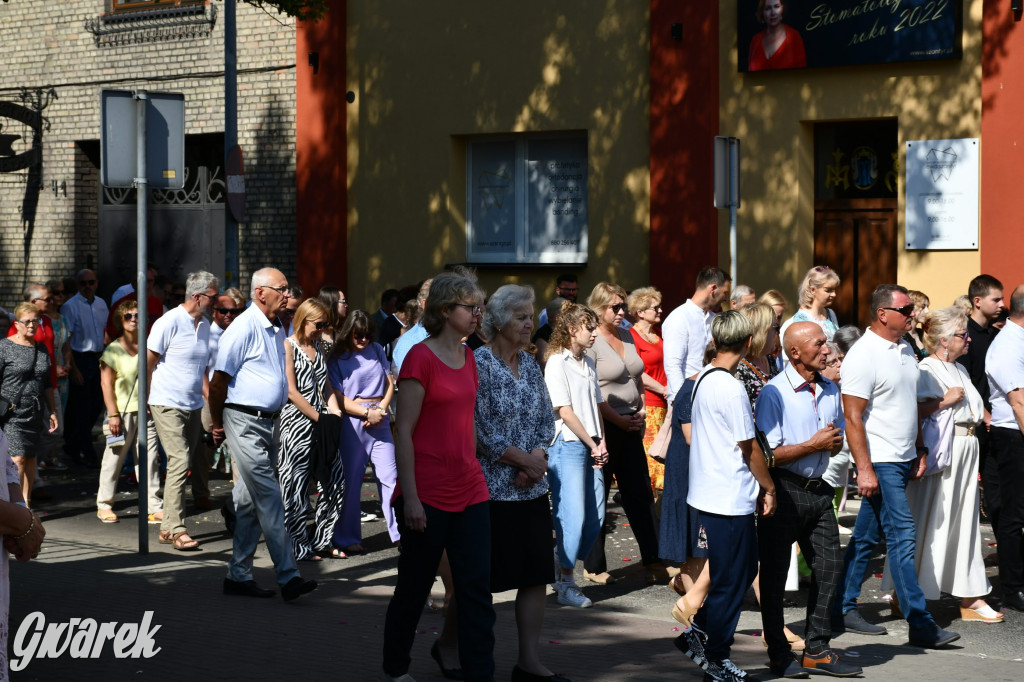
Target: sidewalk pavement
(92, 570)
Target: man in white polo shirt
(880, 377)
(687, 329)
(177, 352)
(727, 486)
(801, 415)
(1004, 366)
(247, 393)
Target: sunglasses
(227, 311)
(618, 307)
(128, 317)
(48, 299)
(87, 282)
(321, 325)
(361, 337)
(903, 310)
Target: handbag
(659, 447)
(937, 433)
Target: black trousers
(805, 517)
(467, 537)
(627, 461)
(85, 403)
(732, 565)
(1008, 450)
(989, 469)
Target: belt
(813, 484)
(259, 414)
(963, 430)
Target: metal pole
(142, 294)
(734, 203)
(230, 135)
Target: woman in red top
(645, 305)
(441, 498)
(778, 46)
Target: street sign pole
(142, 295)
(727, 190)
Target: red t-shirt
(790, 55)
(44, 335)
(653, 355)
(448, 474)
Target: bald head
(806, 346)
(1017, 303)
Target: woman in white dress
(945, 504)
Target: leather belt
(259, 414)
(815, 485)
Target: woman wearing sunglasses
(362, 389)
(306, 370)
(619, 374)
(119, 373)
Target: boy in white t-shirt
(729, 481)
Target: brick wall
(47, 44)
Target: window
(131, 5)
(526, 199)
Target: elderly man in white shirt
(687, 329)
(177, 353)
(248, 390)
(1004, 366)
(86, 317)
(801, 415)
(880, 402)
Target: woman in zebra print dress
(307, 400)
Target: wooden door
(857, 239)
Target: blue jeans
(887, 511)
(577, 496)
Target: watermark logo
(82, 638)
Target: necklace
(959, 382)
(644, 335)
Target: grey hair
(738, 292)
(199, 282)
(730, 330)
(502, 304)
(845, 337)
(33, 290)
(260, 278)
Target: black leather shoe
(449, 673)
(249, 588)
(296, 587)
(854, 622)
(520, 675)
(932, 637)
(1014, 600)
(789, 668)
(828, 662)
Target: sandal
(312, 557)
(107, 516)
(180, 541)
(156, 517)
(354, 550)
(685, 615)
(332, 553)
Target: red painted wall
(320, 150)
(1002, 152)
(684, 121)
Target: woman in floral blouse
(514, 425)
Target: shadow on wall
(998, 24)
(564, 69)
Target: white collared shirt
(574, 385)
(1004, 367)
(789, 413)
(215, 333)
(251, 352)
(183, 345)
(87, 321)
(886, 375)
(686, 332)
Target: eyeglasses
(48, 299)
(618, 307)
(653, 307)
(320, 325)
(281, 290)
(128, 317)
(836, 361)
(473, 309)
(903, 310)
(30, 323)
(961, 335)
(86, 282)
(207, 295)
(227, 311)
(343, 301)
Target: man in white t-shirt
(880, 376)
(725, 475)
(687, 329)
(178, 352)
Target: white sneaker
(843, 530)
(365, 517)
(570, 595)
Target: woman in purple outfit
(362, 388)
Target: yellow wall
(773, 113)
(427, 75)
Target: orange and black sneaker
(828, 662)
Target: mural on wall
(795, 34)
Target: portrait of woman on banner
(778, 46)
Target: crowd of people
(727, 430)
